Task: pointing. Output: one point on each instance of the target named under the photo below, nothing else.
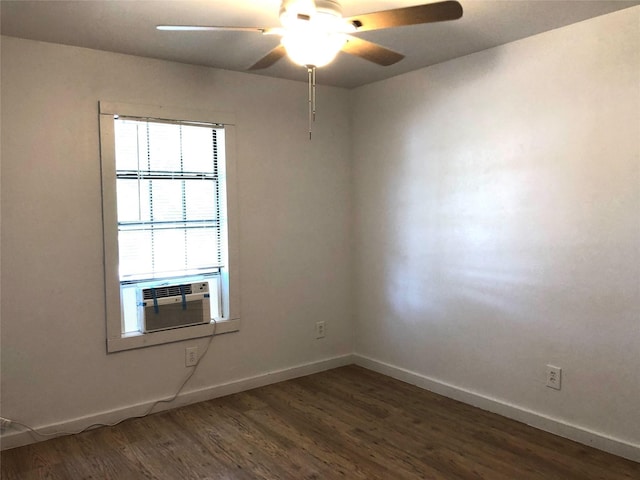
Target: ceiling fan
(313, 32)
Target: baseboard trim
(535, 419)
(18, 438)
(12, 439)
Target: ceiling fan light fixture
(313, 33)
(315, 49)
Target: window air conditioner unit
(172, 306)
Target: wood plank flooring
(347, 423)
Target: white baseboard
(548, 424)
(17, 438)
(12, 439)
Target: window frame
(229, 277)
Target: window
(167, 180)
(169, 200)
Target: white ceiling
(128, 26)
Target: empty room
(376, 239)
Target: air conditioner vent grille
(169, 291)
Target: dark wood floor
(347, 423)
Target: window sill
(130, 341)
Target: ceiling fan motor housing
(329, 6)
(309, 7)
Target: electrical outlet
(4, 423)
(554, 377)
(319, 329)
(190, 356)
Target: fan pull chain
(311, 70)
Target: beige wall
(294, 229)
(497, 208)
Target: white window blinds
(168, 199)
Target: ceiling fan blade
(371, 51)
(431, 12)
(270, 58)
(207, 28)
